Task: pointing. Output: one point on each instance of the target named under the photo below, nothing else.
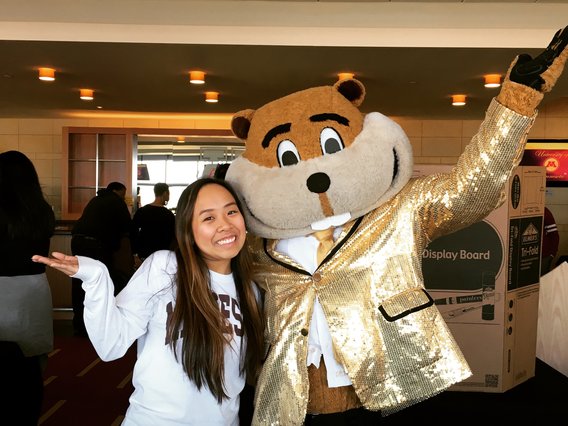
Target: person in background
(221, 170)
(136, 204)
(195, 313)
(550, 242)
(154, 225)
(103, 232)
(27, 223)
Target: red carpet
(80, 389)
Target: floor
(63, 328)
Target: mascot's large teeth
(328, 222)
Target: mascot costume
(339, 226)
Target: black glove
(528, 71)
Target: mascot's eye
(287, 153)
(330, 141)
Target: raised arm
(474, 187)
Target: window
(179, 168)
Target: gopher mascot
(339, 227)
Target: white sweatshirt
(163, 394)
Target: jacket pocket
(405, 303)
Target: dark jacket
(154, 230)
(105, 218)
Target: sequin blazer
(386, 330)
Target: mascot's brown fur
(312, 162)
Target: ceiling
(133, 75)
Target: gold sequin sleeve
(475, 186)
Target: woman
(194, 313)
(27, 223)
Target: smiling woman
(218, 227)
(199, 300)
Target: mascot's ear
(352, 89)
(240, 123)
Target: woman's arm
(112, 327)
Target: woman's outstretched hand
(69, 265)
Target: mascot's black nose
(318, 183)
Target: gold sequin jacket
(386, 331)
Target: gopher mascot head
(312, 160)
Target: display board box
(485, 281)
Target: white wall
(445, 23)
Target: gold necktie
(326, 242)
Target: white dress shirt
(304, 251)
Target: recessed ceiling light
(458, 100)
(196, 77)
(492, 80)
(212, 97)
(46, 74)
(345, 76)
(87, 94)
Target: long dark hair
(24, 212)
(196, 317)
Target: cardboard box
(485, 281)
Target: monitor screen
(553, 155)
